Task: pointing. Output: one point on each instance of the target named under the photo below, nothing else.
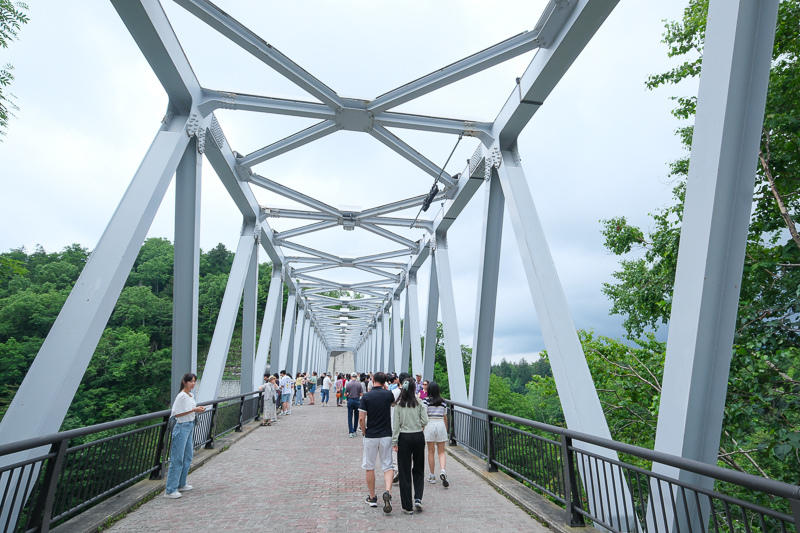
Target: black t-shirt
(377, 403)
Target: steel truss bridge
(731, 99)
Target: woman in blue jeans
(184, 410)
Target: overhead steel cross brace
(363, 115)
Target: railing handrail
(778, 488)
(46, 440)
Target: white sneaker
(432, 479)
(173, 495)
(185, 488)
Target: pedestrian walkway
(304, 474)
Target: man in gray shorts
(375, 420)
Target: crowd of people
(392, 413)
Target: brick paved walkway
(304, 474)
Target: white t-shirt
(183, 403)
(326, 383)
(287, 384)
(396, 393)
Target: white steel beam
(412, 304)
(253, 44)
(395, 355)
(420, 161)
(288, 331)
(291, 194)
(249, 374)
(488, 275)
(186, 278)
(272, 312)
(301, 138)
(431, 322)
(719, 194)
(226, 320)
(452, 344)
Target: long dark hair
(407, 397)
(434, 395)
(186, 379)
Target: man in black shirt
(375, 420)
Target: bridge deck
(304, 474)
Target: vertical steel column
(379, 343)
(249, 311)
(396, 354)
(412, 304)
(452, 344)
(298, 339)
(488, 274)
(576, 391)
(719, 193)
(275, 343)
(186, 277)
(431, 322)
(288, 331)
(405, 358)
(386, 338)
(226, 320)
(306, 349)
(272, 311)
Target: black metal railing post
(43, 511)
(571, 491)
(210, 436)
(241, 415)
(451, 426)
(490, 466)
(795, 505)
(161, 451)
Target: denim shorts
(285, 398)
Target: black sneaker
(396, 479)
(387, 502)
(443, 477)
(372, 502)
(418, 504)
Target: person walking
(185, 410)
(325, 392)
(269, 400)
(374, 418)
(423, 393)
(436, 432)
(354, 391)
(339, 390)
(408, 440)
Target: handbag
(338, 394)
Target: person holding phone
(184, 409)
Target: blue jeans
(180, 457)
(352, 413)
(325, 395)
(298, 395)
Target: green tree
(12, 17)
(761, 432)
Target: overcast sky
(599, 147)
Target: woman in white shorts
(436, 431)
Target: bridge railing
(623, 496)
(63, 474)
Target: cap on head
(353, 375)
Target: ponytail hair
(187, 378)
(407, 397)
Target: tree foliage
(761, 431)
(12, 18)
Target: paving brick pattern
(304, 474)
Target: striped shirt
(435, 412)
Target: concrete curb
(98, 516)
(545, 511)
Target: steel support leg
(226, 321)
(488, 273)
(719, 194)
(298, 340)
(272, 312)
(396, 354)
(386, 338)
(249, 375)
(405, 357)
(186, 277)
(452, 343)
(288, 331)
(576, 391)
(431, 322)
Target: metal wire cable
(460, 136)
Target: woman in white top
(182, 449)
